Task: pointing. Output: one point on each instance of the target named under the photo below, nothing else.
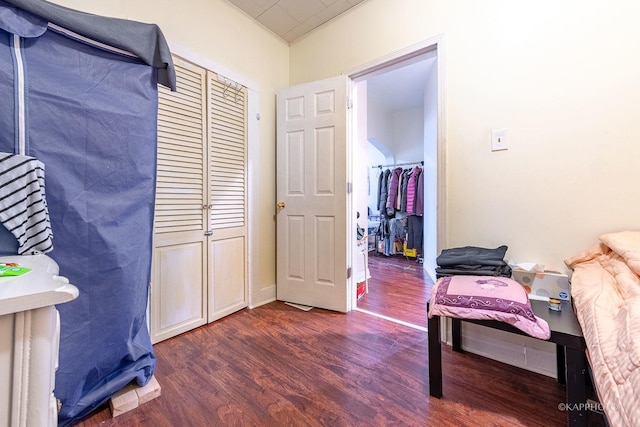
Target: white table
(29, 340)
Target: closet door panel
(178, 295)
(181, 185)
(228, 277)
(179, 274)
(228, 154)
(227, 136)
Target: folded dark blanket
(472, 255)
(502, 270)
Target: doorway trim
(387, 63)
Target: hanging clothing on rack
(415, 232)
(402, 207)
(411, 190)
(398, 189)
(394, 239)
(383, 186)
(394, 182)
(419, 203)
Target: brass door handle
(280, 205)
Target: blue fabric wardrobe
(79, 93)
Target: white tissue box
(544, 285)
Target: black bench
(570, 353)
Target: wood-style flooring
(398, 288)
(276, 365)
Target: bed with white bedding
(605, 287)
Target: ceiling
(397, 88)
(292, 19)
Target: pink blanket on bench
(487, 298)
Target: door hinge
(349, 187)
(349, 273)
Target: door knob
(280, 205)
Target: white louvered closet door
(200, 238)
(228, 290)
(179, 278)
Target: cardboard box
(544, 285)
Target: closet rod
(398, 164)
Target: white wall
(380, 127)
(216, 33)
(408, 135)
(360, 187)
(560, 76)
(399, 134)
(430, 170)
(375, 157)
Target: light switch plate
(499, 140)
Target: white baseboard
(262, 296)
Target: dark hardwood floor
(276, 365)
(398, 288)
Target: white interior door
(312, 194)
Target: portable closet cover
(89, 113)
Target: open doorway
(396, 119)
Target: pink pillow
(487, 298)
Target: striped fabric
(23, 207)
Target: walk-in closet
(394, 190)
